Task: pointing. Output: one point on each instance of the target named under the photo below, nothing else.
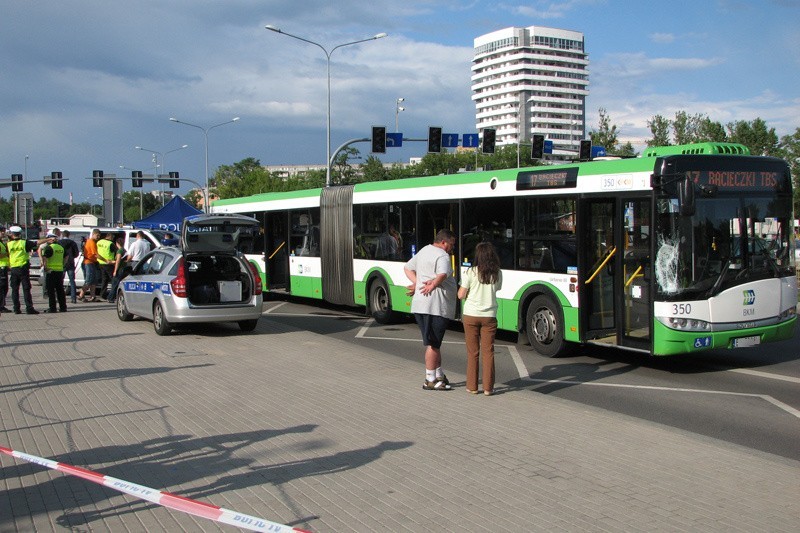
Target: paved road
(327, 435)
(749, 397)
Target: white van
(80, 234)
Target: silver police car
(205, 279)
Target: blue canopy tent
(170, 217)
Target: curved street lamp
(163, 162)
(205, 134)
(270, 27)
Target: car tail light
(256, 279)
(178, 283)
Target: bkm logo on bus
(749, 297)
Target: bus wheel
(544, 327)
(380, 303)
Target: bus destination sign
(547, 179)
(741, 180)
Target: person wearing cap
(3, 270)
(71, 253)
(106, 250)
(19, 250)
(53, 233)
(52, 255)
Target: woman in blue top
(478, 289)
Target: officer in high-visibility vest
(3, 270)
(106, 250)
(19, 250)
(53, 261)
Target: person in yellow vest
(3, 270)
(105, 261)
(53, 260)
(19, 250)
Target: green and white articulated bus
(683, 249)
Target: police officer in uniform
(53, 261)
(3, 270)
(105, 260)
(19, 250)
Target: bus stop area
(318, 434)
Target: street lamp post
(141, 195)
(205, 134)
(270, 27)
(163, 162)
(397, 109)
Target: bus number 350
(681, 309)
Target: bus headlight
(788, 314)
(685, 324)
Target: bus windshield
(729, 240)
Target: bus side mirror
(686, 197)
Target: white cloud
(662, 38)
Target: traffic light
(174, 180)
(434, 140)
(16, 182)
(55, 180)
(537, 147)
(586, 150)
(378, 140)
(97, 178)
(487, 145)
(136, 178)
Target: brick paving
(306, 430)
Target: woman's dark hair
(487, 262)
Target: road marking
(271, 309)
(767, 375)
(364, 328)
(525, 376)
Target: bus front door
(615, 283)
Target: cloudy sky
(83, 82)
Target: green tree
(659, 127)
(373, 170)
(686, 128)
(755, 135)
(790, 151)
(711, 131)
(194, 197)
(606, 134)
(245, 178)
(133, 200)
(342, 172)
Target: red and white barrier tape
(173, 501)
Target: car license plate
(745, 342)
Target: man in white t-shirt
(138, 249)
(433, 302)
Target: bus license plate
(745, 342)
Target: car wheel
(380, 302)
(122, 308)
(160, 322)
(545, 327)
(248, 325)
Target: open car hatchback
(205, 279)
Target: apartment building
(529, 81)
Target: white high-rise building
(532, 80)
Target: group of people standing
(104, 262)
(15, 268)
(433, 303)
